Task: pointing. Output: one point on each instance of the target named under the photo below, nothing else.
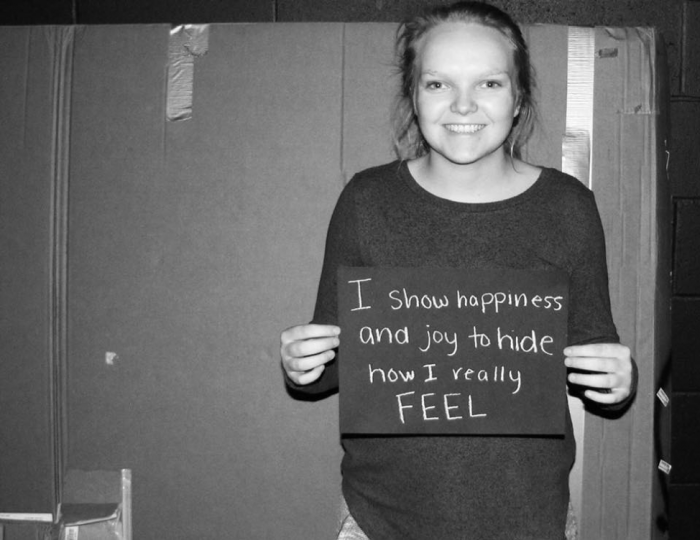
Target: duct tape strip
(187, 42)
(576, 161)
(577, 143)
(61, 41)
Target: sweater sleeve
(342, 249)
(590, 319)
(590, 316)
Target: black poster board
(452, 351)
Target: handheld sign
(452, 351)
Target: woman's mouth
(464, 128)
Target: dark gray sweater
(464, 487)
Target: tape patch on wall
(576, 147)
(187, 42)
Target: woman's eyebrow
(495, 73)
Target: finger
(308, 347)
(603, 365)
(600, 380)
(605, 350)
(308, 363)
(310, 376)
(610, 398)
(308, 331)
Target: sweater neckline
(410, 182)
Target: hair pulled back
(408, 140)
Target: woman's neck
(498, 178)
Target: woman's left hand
(607, 367)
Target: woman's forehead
(465, 43)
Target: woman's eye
(492, 84)
(435, 85)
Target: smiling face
(465, 98)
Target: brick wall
(685, 186)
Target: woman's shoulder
(563, 181)
(564, 189)
(565, 195)
(378, 172)
(380, 180)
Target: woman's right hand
(306, 349)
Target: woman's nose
(463, 103)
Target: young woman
(460, 197)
